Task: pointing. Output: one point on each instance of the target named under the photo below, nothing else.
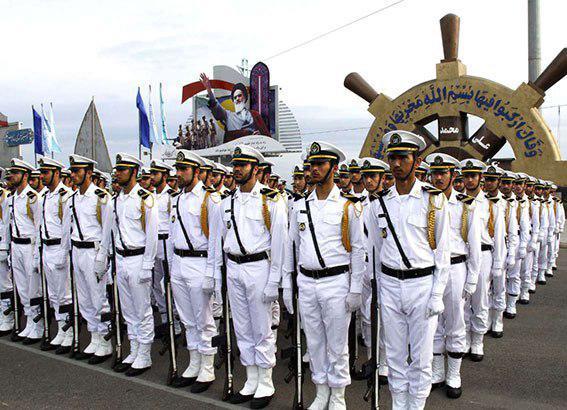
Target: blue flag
(143, 122)
(37, 132)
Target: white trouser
(497, 292)
(134, 290)
(556, 248)
(322, 304)
(535, 263)
(5, 285)
(252, 317)
(476, 312)
(404, 312)
(193, 306)
(542, 259)
(158, 290)
(515, 277)
(275, 313)
(551, 253)
(28, 282)
(526, 272)
(451, 330)
(58, 279)
(91, 293)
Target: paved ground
(526, 369)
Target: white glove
(496, 273)
(100, 265)
(435, 305)
(208, 285)
(522, 253)
(271, 292)
(145, 276)
(532, 246)
(468, 290)
(353, 301)
(3, 255)
(218, 293)
(288, 300)
(510, 262)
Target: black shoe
(121, 367)
(382, 380)
(5, 332)
(548, 275)
(523, 301)
(82, 356)
(453, 392)
(46, 346)
(200, 387)
(476, 357)
(131, 372)
(98, 359)
(531, 292)
(496, 335)
(31, 341)
(509, 315)
(16, 337)
(554, 268)
(240, 398)
(260, 402)
(63, 350)
(181, 381)
(437, 385)
(540, 282)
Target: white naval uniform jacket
(4, 220)
(85, 207)
(52, 209)
(510, 207)
(498, 241)
(408, 214)
(327, 216)
(560, 215)
(551, 217)
(254, 235)
(129, 229)
(188, 205)
(523, 217)
(543, 221)
(24, 214)
(534, 220)
(470, 245)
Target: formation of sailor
(415, 258)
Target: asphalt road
(526, 369)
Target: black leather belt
(485, 247)
(407, 274)
(51, 242)
(240, 259)
(21, 241)
(130, 252)
(188, 253)
(83, 245)
(324, 273)
(163, 236)
(455, 260)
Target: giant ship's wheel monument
(507, 115)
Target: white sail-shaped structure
(90, 140)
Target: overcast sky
(65, 52)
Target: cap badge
(469, 164)
(315, 148)
(180, 156)
(118, 158)
(438, 160)
(366, 164)
(491, 169)
(396, 139)
(237, 152)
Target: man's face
(46, 176)
(471, 180)
(529, 190)
(546, 193)
(355, 177)
(67, 181)
(215, 179)
(172, 183)
(506, 187)
(78, 175)
(185, 175)
(372, 181)
(421, 176)
(146, 181)
(518, 188)
(156, 178)
(273, 183)
(34, 182)
(538, 191)
(238, 97)
(307, 174)
(441, 179)
(459, 185)
(228, 180)
(15, 179)
(299, 183)
(209, 179)
(491, 184)
(344, 180)
(116, 188)
(242, 171)
(319, 170)
(402, 165)
(123, 175)
(388, 181)
(260, 173)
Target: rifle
(224, 340)
(74, 319)
(169, 340)
(372, 366)
(115, 331)
(15, 298)
(294, 353)
(46, 338)
(353, 350)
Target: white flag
(154, 136)
(50, 143)
(163, 124)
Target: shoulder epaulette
(352, 198)
(373, 196)
(270, 193)
(114, 196)
(176, 193)
(31, 194)
(465, 199)
(209, 189)
(143, 193)
(384, 192)
(296, 196)
(62, 191)
(510, 199)
(101, 193)
(494, 199)
(431, 190)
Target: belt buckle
(403, 275)
(316, 275)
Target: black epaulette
(209, 189)
(144, 194)
(510, 199)
(431, 190)
(465, 199)
(176, 193)
(101, 193)
(494, 199)
(224, 195)
(62, 191)
(31, 194)
(170, 191)
(352, 198)
(114, 196)
(384, 192)
(373, 196)
(297, 197)
(521, 201)
(270, 193)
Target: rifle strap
(313, 237)
(405, 259)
